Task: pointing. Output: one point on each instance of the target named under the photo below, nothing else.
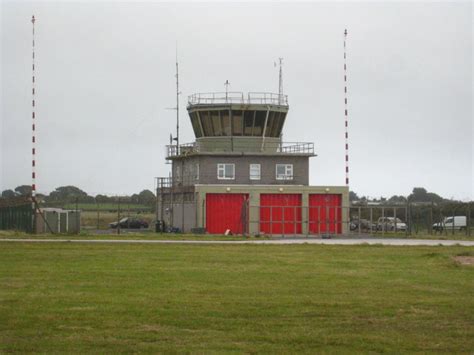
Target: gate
(325, 213)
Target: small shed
(57, 220)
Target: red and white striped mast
(33, 127)
(345, 111)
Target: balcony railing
(283, 147)
(234, 97)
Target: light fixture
(228, 189)
(280, 189)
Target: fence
(96, 216)
(16, 214)
(413, 219)
(302, 220)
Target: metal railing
(296, 147)
(235, 97)
(280, 147)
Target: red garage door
(325, 213)
(280, 213)
(226, 211)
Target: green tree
(102, 198)
(146, 197)
(353, 196)
(23, 190)
(69, 194)
(8, 194)
(419, 194)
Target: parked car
(450, 223)
(132, 223)
(391, 224)
(365, 225)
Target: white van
(449, 223)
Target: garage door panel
(325, 213)
(280, 213)
(226, 211)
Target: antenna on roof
(345, 111)
(226, 84)
(280, 82)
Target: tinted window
(248, 122)
(237, 123)
(206, 123)
(225, 121)
(216, 123)
(195, 124)
(259, 123)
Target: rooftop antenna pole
(280, 82)
(345, 111)
(177, 101)
(226, 84)
(33, 128)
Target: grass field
(151, 235)
(232, 298)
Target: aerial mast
(177, 102)
(33, 126)
(226, 84)
(345, 111)
(280, 82)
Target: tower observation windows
(259, 123)
(250, 122)
(206, 123)
(237, 123)
(195, 124)
(249, 118)
(225, 123)
(216, 123)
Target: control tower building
(239, 176)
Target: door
(325, 213)
(226, 211)
(280, 213)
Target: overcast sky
(105, 76)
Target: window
(259, 123)
(237, 123)
(197, 172)
(216, 123)
(254, 171)
(195, 123)
(226, 171)
(284, 171)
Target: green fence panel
(17, 218)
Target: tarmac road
(371, 241)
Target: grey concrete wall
(184, 216)
(208, 169)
